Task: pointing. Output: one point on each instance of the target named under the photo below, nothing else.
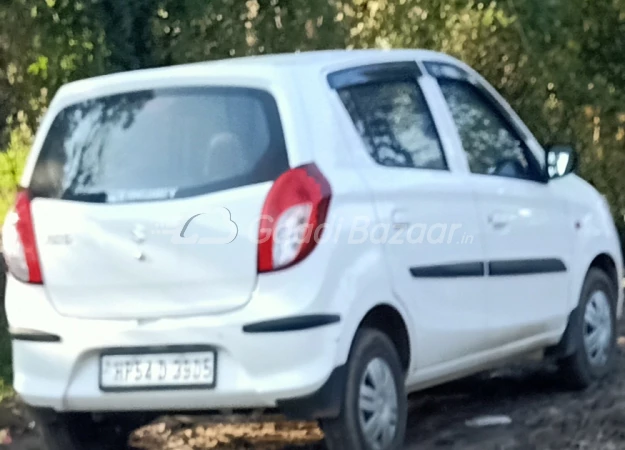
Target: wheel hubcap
(377, 404)
(598, 328)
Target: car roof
(261, 66)
(323, 58)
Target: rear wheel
(374, 410)
(593, 331)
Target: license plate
(158, 370)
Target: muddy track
(544, 417)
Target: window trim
(435, 68)
(374, 73)
(388, 72)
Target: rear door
(426, 217)
(145, 202)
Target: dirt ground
(543, 417)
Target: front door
(527, 231)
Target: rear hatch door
(147, 204)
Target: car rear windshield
(160, 144)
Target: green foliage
(12, 163)
(558, 63)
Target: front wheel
(374, 410)
(594, 333)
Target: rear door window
(159, 144)
(394, 121)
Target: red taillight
(293, 218)
(18, 241)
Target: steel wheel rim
(598, 329)
(377, 405)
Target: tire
(78, 431)
(372, 353)
(586, 366)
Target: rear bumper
(288, 363)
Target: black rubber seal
(525, 267)
(25, 334)
(295, 323)
(458, 270)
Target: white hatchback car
(320, 233)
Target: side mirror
(561, 160)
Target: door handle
(499, 220)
